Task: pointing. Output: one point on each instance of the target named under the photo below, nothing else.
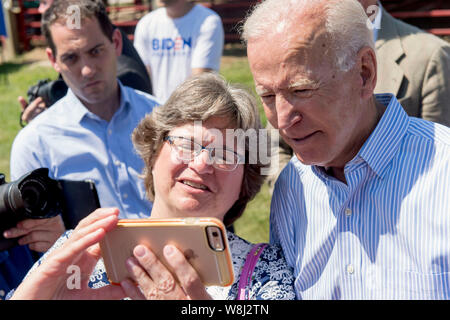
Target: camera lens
(34, 195)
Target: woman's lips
(194, 186)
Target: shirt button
(2, 293)
(117, 163)
(110, 132)
(348, 212)
(350, 269)
(125, 195)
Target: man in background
(176, 41)
(130, 71)
(413, 64)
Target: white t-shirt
(173, 47)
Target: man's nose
(88, 68)
(286, 113)
(202, 163)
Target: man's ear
(52, 59)
(368, 71)
(117, 41)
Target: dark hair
(58, 11)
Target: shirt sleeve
(24, 157)
(209, 47)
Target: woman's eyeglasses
(186, 150)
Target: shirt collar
(382, 145)
(78, 111)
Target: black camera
(49, 91)
(36, 196)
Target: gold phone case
(196, 237)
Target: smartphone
(202, 240)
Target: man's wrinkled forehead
(301, 33)
(306, 17)
(303, 50)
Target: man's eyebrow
(304, 83)
(69, 53)
(310, 84)
(95, 47)
(66, 55)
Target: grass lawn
(15, 79)
(17, 76)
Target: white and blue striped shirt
(383, 235)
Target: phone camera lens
(215, 238)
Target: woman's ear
(367, 71)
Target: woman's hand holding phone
(51, 279)
(54, 278)
(157, 282)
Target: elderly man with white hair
(362, 210)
